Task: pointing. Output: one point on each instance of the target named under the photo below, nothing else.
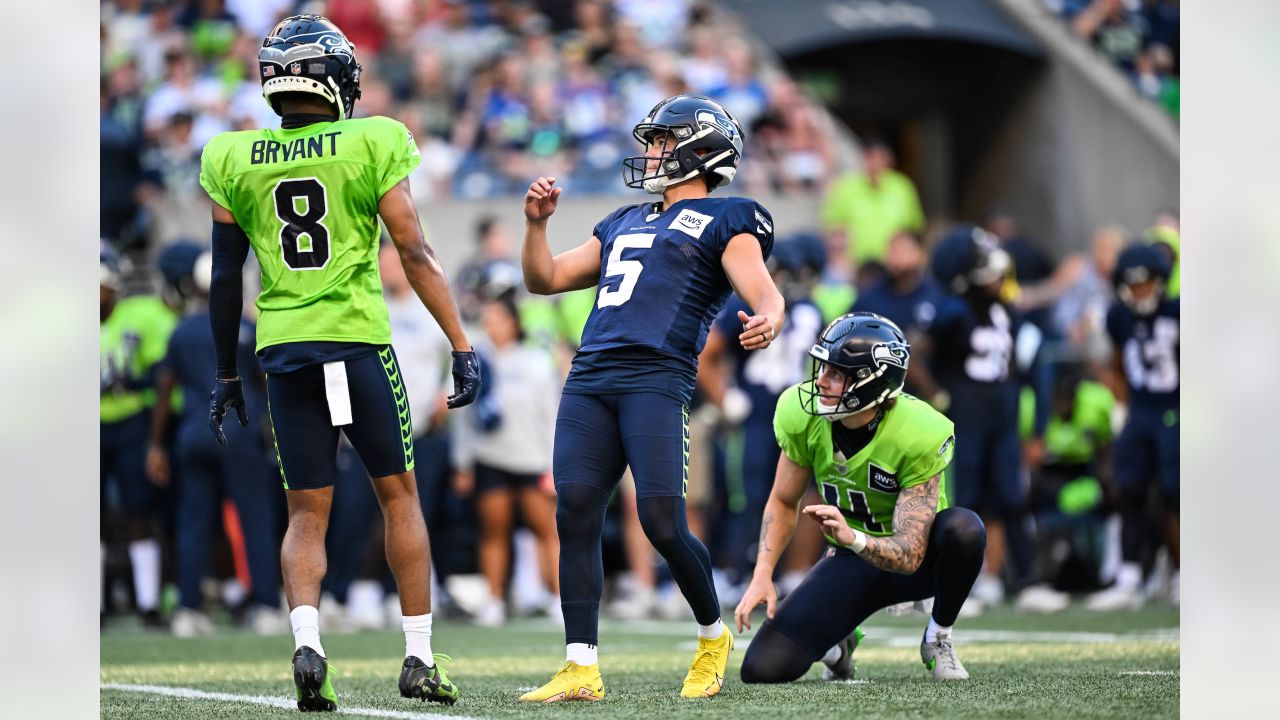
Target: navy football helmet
(309, 54)
(872, 354)
(109, 267)
(969, 257)
(707, 143)
(1137, 264)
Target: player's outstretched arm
(570, 270)
(743, 263)
(777, 527)
(426, 274)
(901, 552)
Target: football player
(133, 335)
(878, 457)
(662, 271)
(970, 373)
(307, 199)
(1144, 328)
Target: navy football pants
(596, 438)
(842, 591)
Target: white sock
(306, 628)
(145, 557)
(833, 655)
(581, 654)
(417, 637)
(931, 633)
(712, 631)
(1129, 576)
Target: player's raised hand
(757, 331)
(541, 199)
(833, 524)
(761, 590)
(466, 379)
(227, 393)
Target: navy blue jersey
(912, 310)
(1149, 346)
(661, 284)
(763, 374)
(973, 345)
(193, 361)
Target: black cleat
(311, 676)
(427, 683)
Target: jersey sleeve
(933, 446)
(790, 428)
(397, 157)
(601, 230)
(746, 216)
(213, 166)
(1114, 323)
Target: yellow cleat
(572, 682)
(706, 674)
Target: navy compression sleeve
(230, 248)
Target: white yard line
(1164, 673)
(269, 701)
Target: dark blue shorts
(381, 429)
(1147, 449)
(122, 455)
(492, 478)
(988, 458)
(598, 436)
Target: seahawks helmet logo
(706, 117)
(890, 354)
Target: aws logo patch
(690, 223)
(880, 479)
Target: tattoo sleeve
(903, 551)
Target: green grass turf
(1042, 676)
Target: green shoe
(312, 678)
(427, 683)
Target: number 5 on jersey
(304, 241)
(629, 269)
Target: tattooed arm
(777, 527)
(901, 552)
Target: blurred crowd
(494, 91)
(181, 514)
(1141, 37)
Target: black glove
(226, 394)
(466, 379)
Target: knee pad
(576, 505)
(662, 519)
(963, 527)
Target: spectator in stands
(1113, 29)
(184, 91)
(870, 205)
(504, 456)
(741, 92)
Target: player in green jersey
(879, 459)
(307, 199)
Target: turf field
(1073, 665)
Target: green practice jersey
(130, 342)
(308, 200)
(913, 443)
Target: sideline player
(307, 198)
(878, 457)
(1144, 327)
(663, 270)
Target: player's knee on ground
(774, 658)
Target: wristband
(859, 541)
